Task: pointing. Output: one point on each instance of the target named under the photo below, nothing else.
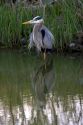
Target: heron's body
(41, 37)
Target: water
(38, 92)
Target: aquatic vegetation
(61, 18)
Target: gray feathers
(41, 37)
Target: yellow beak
(27, 22)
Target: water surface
(38, 92)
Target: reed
(61, 18)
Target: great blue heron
(40, 37)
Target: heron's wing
(31, 42)
(48, 39)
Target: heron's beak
(27, 22)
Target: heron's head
(35, 20)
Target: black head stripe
(38, 18)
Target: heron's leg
(45, 58)
(45, 54)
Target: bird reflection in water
(42, 87)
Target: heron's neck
(37, 27)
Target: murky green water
(34, 92)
